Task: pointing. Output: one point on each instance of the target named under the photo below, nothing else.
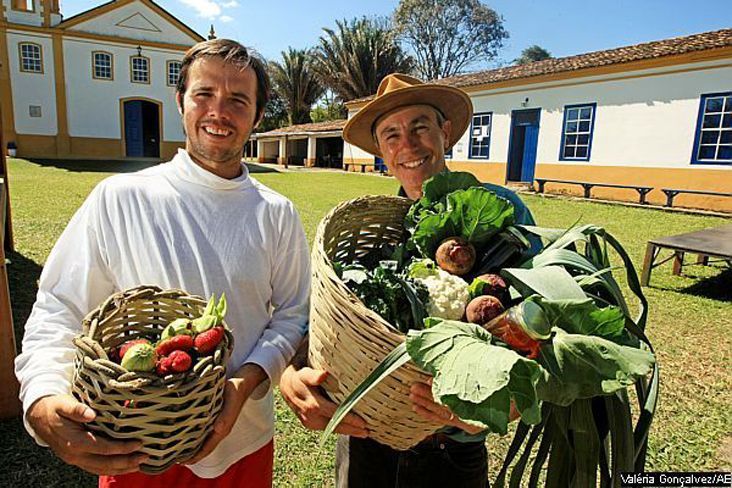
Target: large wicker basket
(347, 339)
(170, 415)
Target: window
(713, 140)
(101, 65)
(579, 122)
(173, 72)
(140, 67)
(31, 59)
(480, 135)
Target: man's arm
(74, 280)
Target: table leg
(9, 403)
(678, 262)
(702, 259)
(648, 264)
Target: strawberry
(206, 342)
(163, 366)
(176, 343)
(180, 361)
(124, 347)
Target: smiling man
(200, 223)
(409, 124)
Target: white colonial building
(657, 115)
(100, 84)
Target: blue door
(529, 157)
(134, 146)
(522, 146)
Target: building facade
(98, 85)
(657, 114)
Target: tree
(448, 36)
(531, 54)
(275, 114)
(328, 108)
(353, 59)
(296, 84)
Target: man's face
(219, 112)
(413, 145)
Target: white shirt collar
(188, 170)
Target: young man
(410, 125)
(199, 223)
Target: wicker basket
(170, 415)
(347, 339)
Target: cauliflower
(448, 294)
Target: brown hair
(231, 52)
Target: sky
(563, 27)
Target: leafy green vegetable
(552, 282)
(579, 366)
(476, 214)
(474, 378)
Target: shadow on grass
(258, 168)
(717, 287)
(23, 275)
(96, 166)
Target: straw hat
(398, 90)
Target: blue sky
(564, 27)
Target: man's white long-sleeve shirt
(177, 225)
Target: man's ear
(446, 131)
(179, 102)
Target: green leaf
(210, 306)
(579, 366)
(393, 361)
(476, 214)
(474, 378)
(446, 182)
(583, 317)
(551, 282)
(221, 307)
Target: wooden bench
(672, 192)
(363, 166)
(587, 186)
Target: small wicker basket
(170, 415)
(347, 339)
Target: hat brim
(454, 104)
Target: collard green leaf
(476, 214)
(446, 182)
(579, 366)
(474, 378)
(583, 317)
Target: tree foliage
(448, 36)
(328, 108)
(275, 114)
(295, 82)
(532, 54)
(352, 59)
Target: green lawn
(690, 319)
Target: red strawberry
(206, 342)
(180, 361)
(176, 343)
(163, 366)
(129, 344)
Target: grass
(690, 320)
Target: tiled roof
(638, 52)
(328, 126)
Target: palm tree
(353, 59)
(296, 84)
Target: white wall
(135, 21)
(641, 121)
(94, 105)
(32, 88)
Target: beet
(483, 309)
(455, 255)
(496, 286)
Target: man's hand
(59, 419)
(424, 405)
(236, 392)
(300, 390)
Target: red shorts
(252, 471)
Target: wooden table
(707, 243)
(9, 403)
